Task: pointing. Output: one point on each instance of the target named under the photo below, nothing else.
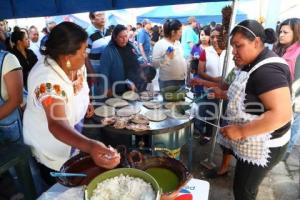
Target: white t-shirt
(10, 63)
(169, 69)
(49, 81)
(213, 68)
(230, 65)
(35, 47)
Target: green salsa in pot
(166, 179)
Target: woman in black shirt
(26, 57)
(259, 108)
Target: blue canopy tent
(10, 9)
(114, 19)
(119, 17)
(69, 18)
(204, 12)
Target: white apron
(254, 149)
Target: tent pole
(113, 4)
(208, 162)
(13, 7)
(57, 6)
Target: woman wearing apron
(259, 108)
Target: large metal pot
(125, 171)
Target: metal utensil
(209, 123)
(63, 174)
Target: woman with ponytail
(26, 57)
(168, 56)
(259, 109)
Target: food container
(125, 171)
(173, 93)
(81, 163)
(167, 163)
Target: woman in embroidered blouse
(51, 113)
(288, 47)
(259, 108)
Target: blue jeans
(295, 132)
(11, 128)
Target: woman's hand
(216, 93)
(233, 132)
(106, 157)
(90, 111)
(195, 57)
(170, 54)
(132, 87)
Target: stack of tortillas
(137, 127)
(116, 102)
(175, 115)
(155, 115)
(140, 119)
(128, 111)
(105, 111)
(172, 105)
(146, 96)
(130, 96)
(152, 105)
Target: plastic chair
(17, 156)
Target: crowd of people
(55, 80)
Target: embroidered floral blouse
(46, 80)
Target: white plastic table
(195, 189)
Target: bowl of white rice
(123, 184)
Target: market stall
(165, 129)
